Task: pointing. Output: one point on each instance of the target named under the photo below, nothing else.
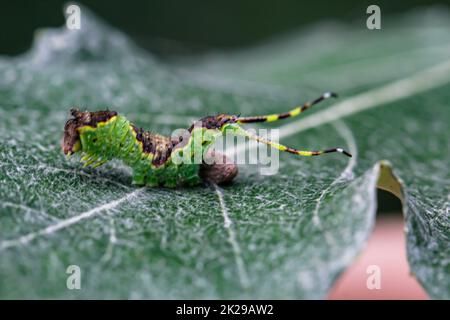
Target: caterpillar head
(71, 142)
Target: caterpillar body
(105, 135)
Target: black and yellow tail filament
(293, 113)
(303, 153)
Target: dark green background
(170, 27)
(179, 27)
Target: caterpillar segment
(102, 136)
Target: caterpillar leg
(92, 160)
(220, 172)
(294, 112)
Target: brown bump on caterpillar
(215, 122)
(219, 173)
(157, 145)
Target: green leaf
(283, 236)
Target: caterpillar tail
(293, 113)
(242, 132)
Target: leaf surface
(283, 236)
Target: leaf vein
(227, 223)
(25, 239)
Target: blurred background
(170, 29)
(175, 27)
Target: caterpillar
(101, 136)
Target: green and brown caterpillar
(105, 135)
